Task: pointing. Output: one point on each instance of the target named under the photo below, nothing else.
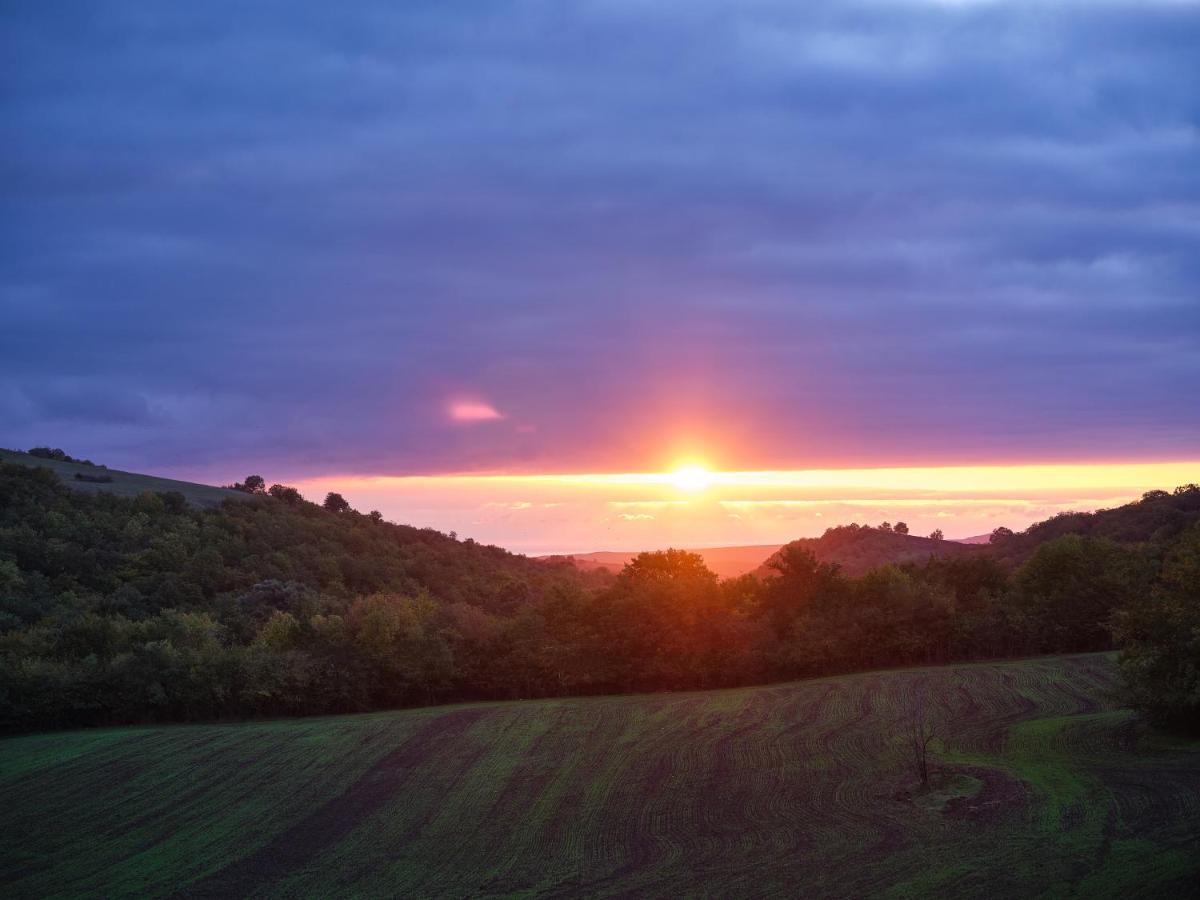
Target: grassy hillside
(803, 789)
(123, 484)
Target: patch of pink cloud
(473, 411)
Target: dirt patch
(326, 826)
(1000, 795)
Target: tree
(254, 484)
(1069, 588)
(1000, 534)
(922, 731)
(936, 535)
(375, 516)
(1159, 633)
(803, 581)
(285, 493)
(900, 528)
(885, 526)
(336, 503)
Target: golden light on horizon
(691, 503)
(691, 478)
(977, 481)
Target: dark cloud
(889, 232)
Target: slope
(101, 479)
(1042, 788)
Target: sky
(409, 241)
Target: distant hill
(974, 539)
(858, 549)
(83, 476)
(727, 562)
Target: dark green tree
(1159, 632)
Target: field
(125, 484)
(1043, 788)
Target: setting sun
(691, 478)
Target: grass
(1042, 788)
(124, 484)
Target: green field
(1045, 788)
(124, 484)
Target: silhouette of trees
(335, 502)
(254, 484)
(285, 493)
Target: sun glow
(691, 478)
(687, 503)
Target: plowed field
(1043, 786)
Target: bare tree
(922, 731)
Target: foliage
(122, 609)
(58, 454)
(1160, 635)
(254, 484)
(335, 502)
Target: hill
(123, 609)
(975, 539)
(1040, 787)
(101, 479)
(726, 562)
(1159, 516)
(858, 549)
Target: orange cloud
(473, 411)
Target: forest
(146, 609)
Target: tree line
(147, 610)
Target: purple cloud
(285, 238)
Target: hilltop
(92, 478)
(1040, 785)
(1157, 517)
(857, 553)
(858, 549)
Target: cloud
(473, 411)
(856, 233)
